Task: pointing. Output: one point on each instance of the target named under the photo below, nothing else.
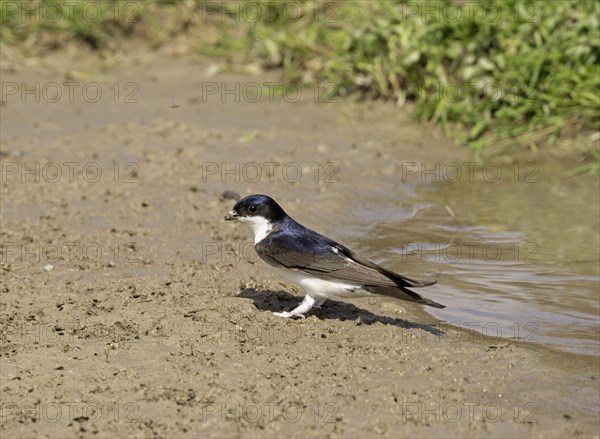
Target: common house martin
(320, 266)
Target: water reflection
(520, 259)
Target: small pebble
(49, 267)
(230, 195)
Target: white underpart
(260, 226)
(317, 291)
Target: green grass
(51, 24)
(526, 80)
(523, 80)
(35, 26)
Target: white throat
(260, 226)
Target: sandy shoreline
(165, 328)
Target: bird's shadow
(332, 309)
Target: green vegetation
(503, 74)
(51, 24)
(494, 75)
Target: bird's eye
(252, 208)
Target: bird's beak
(232, 215)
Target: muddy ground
(130, 308)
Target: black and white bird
(320, 266)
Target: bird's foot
(287, 314)
(300, 310)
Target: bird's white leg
(300, 310)
(319, 300)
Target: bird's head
(261, 212)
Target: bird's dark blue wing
(311, 253)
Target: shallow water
(517, 257)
